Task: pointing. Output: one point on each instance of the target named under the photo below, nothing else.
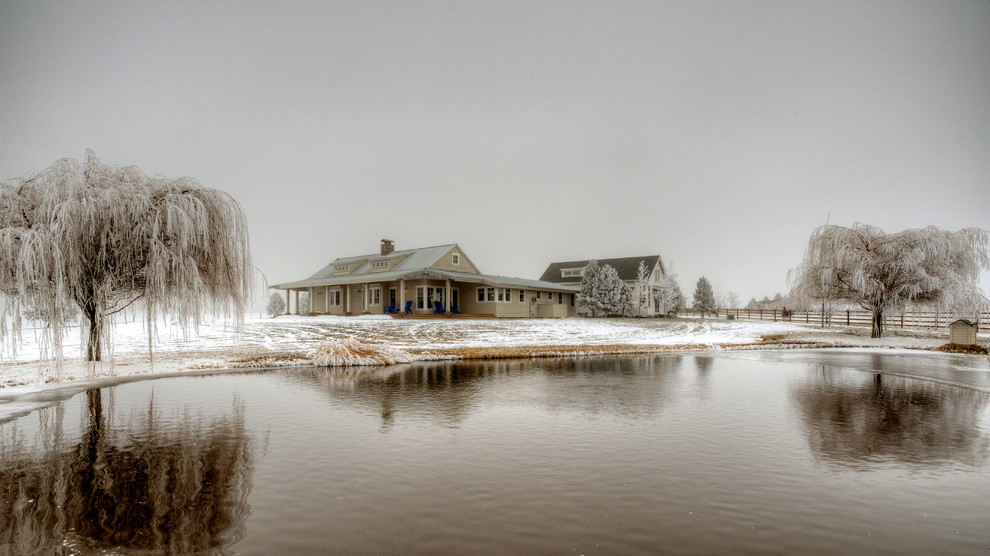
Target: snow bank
(348, 352)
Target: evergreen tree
(704, 297)
(614, 296)
(590, 277)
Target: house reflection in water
(448, 392)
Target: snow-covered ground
(290, 340)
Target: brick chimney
(387, 246)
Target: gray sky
(717, 134)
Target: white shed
(963, 332)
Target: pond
(734, 453)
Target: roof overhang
(427, 274)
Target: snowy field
(293, 340)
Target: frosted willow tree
(104, 237)
(882, 272)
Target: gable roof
(423, 257)
(627, 267)
(413, 264)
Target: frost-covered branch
(98, 235)
(883, 272)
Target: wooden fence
(848, 317)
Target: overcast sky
(715, 134)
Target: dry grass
(525, 352)
(963, 348)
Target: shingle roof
(416, 264)
(627, 267)
(416, 258)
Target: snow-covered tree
(611, 292)
(105, 237)
(276, 305)
(589, 283)
(882, 272)
(602, 291)
(642, 293)
(752, 303)
(704, 297)
(671, 300)
(303, 304)
(733, 299)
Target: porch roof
(427, 273)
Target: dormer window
(455, 258)
(341, 269)
(570, 272)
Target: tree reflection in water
(159, 487)
(851, 417)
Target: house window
(501, 295)
(375, 295)
(427, 295)
(522, 296)
(538, 295)
(341, 269)
(487, 295)
(455, 258)
(391, 297)
(570, 272)
(334, 298)
(560, 298)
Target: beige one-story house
(569, 273)
(439, 280)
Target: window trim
(455, 258)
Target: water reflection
(448, 392)
(851, 418)
(178, 486)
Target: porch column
(326, 299)
(347, 303)
(446, 298)
(287, 301)
(402, 295)
(309, 300)
(365, 296)
(297, 302)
